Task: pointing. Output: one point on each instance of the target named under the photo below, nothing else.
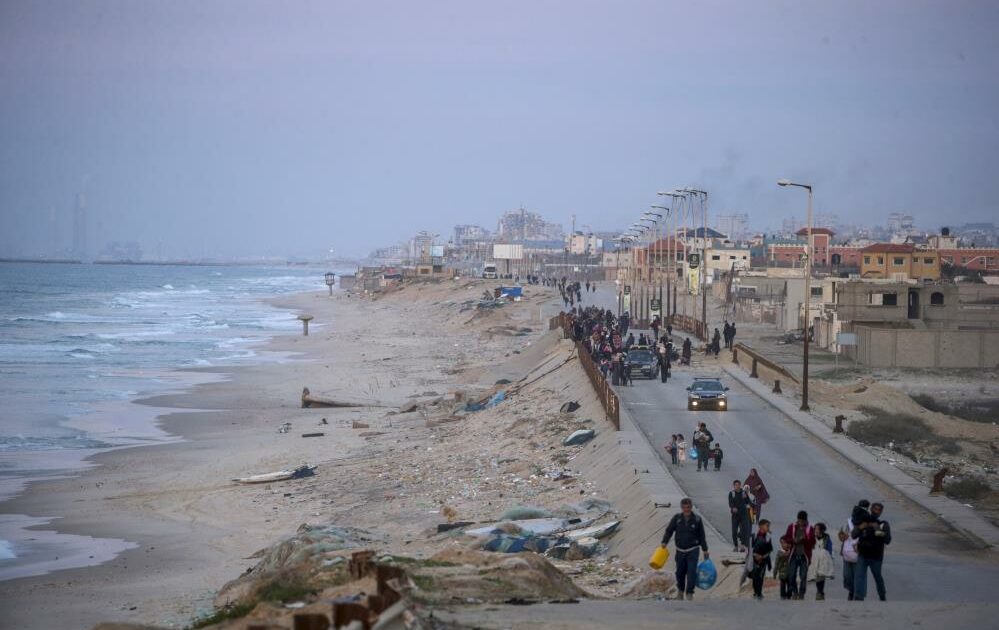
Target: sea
(80, 342)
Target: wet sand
(193, 528)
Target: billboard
(437, 251)
(508, 252)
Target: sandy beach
(193, 528)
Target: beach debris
(447, 527)
(284, 428)
(650, 584)
(503, 381)
(323, 421)
(278, 475)
(581, 436)
(311, 400)
(409, 407)
(521, 512)
(360, 425)
(569, 407)
(596, 531)
(506, 543)
(317, 434)
(573, 550)
(530, 526)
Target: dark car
(643, 362)
(707, 393)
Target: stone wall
(929, 348)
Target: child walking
(681, 449)
(781, 568)
(717, 454)
(822, 567)
(758, 560)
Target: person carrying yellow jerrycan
(659, 557)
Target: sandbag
(659, 558)
(707, 574)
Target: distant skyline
(259, 128)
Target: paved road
(925, 561)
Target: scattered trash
(521, 512)
(360, 425)
(319, 434)
(409, 407)
(446, 527)
(503, 381)
(596, 531)
(497, 398)
(651, 584)
(531, 526)
(279, 475)
(520, 601)
(569, 407)
(505, 543)
(295, 605)
(284, 428)
(581, 436)
(323, 421)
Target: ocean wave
(6, 550)
(167, 286)
(29, 443)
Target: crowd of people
(804, 553)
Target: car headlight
(694, 403)
(721, 403)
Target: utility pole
(808, 291)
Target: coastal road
(926, 561)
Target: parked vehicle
(489, 271)
(707, 393)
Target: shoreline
(195, 529)
(46, 509)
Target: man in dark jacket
(738, 504)
(702, 441)
(690, 539)
(872, 534)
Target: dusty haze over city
(257, 128)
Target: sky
(245, 128)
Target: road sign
(627, 289)
(656, 304)
(693, 260)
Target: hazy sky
(249, 127)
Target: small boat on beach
(279, 475)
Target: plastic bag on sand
(659, 557)
(707, 574)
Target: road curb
(955, 515)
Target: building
(899, 261)
(985, 260)
(821, 239)
(584, 244)
(467, 233)
(521, 225)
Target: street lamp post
(702, 196)
(808, 290)
(330, 281)
(671, 251)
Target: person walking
(872, 534)
(848, 546)
(664, 366)
(685, 352)
(758, 558)
(690, 540)
(802, 539)
(755, 485)
(782, 569)
(681, 449)
(671, 448)
(702, 442)
(731, 336)
(717, 454)
(821, 567)
(715, 347)
(738, 505)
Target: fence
(759, 359)
(604, 391)
(689, 325)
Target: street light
(330, 281)
(808, 288)
(671, 252)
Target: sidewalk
(955, 515)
